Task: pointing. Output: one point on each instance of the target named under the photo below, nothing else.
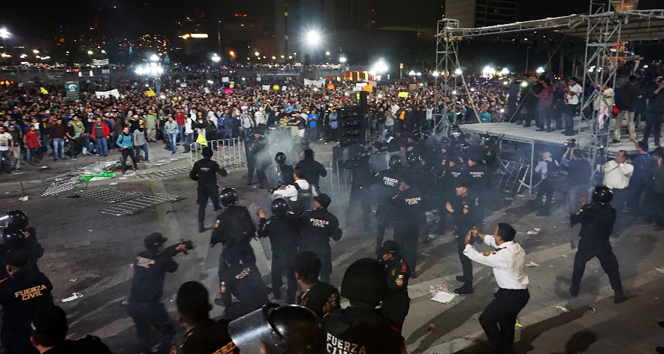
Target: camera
(571, 143)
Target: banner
(317, 83)
(403, 94)
(266, 87)
(359, 86)
(99, 62)
(71, 87)
(106, 94)
(228, 91)
(232, 84)
(150, 93)
(225, 79)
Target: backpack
(552, 171)
(304, 200)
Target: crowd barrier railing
(228, 153)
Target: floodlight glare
(457, 72)
(539, 70)
(154, 57)
(90, 52)
(313, 38)
(4, 33)
(343, 59)
(524, 83)
(379, 68)
(436, 74)
(505, 71)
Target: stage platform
(530, 135)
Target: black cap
(389, 246)
(465, 182)
(49, 325)
(323, 199)
(154, 239)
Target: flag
(201, 140)
(403, 94)
(150, 93)
(43, 91)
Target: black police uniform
(21, 295)
(234, 229)
(361, 330)
(284, 175)
(386, 186)
(596, 227)
(255, 161)
(465, 218)
(409, 211)
(321, 298)
(313, 171)
(359, 191)
(147, 288)
(87, 345)
(205, 172)
(397, 303)
(449, 177)
(317, 227)
(245, 283)
(284, 234)
(479, 177)
(28, 244)
(209, 337)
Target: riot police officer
(49, 333)
(147, 288)
(284, 233)
(411, 222)
(360, 325)
(318, 227)
(397, 302)
(25, 292)
(243, 281)
(358, 164)
(16, 221)
(464, 210)
(283, 172)
(313, 170)
(316, 295)
(234, 229)
(597, 220)
(386, 186)
(477, 173)
(204, 335)
(205, 172)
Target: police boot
(201, 228)
(619, 297)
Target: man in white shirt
(6, 149)
(573, 93)
(616, 176)
(291, 192)
(509, 269)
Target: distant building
(480, 13)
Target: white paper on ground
(443, 297)
(73, 297)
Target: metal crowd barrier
(228, 153)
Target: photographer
(578, 175)
(548, 169)
(147, 287)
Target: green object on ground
(101, 175)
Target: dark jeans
(635, 189)
(148, 319)
(406, 236)
(544, 117)
(589, 249)
(205, 193)
(358, 196)
(466, 263)
(384, 216)
(546, 189)
(620, 197)
(657, 206)
(129, 152)
(654, 125)
(568, 117)
(283, 264)
(143, 148)
(502, 310)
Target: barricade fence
(228, 153)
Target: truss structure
(607, 23)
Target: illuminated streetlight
(35, 51)
(343, 59)
(539, 70)
(327, 54)
(257, 54)
(273, 57)
(215, 58)
(231, 53)
(313, 38)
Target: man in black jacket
(655, 112)
(147, 288)
(318, 296)
(242, 281)
(626, 100)
(318, 227)
(49, 332)
(313, 170)
(205, 172)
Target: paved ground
(90, 253)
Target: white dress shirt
(616, 176)
(574, 99)
(290, 191)
(508, 262)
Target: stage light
(257, 54)
(505, 71)
(4, 33)
(154, 57)
(343, 59)
(313, 38)
(540, 70)
(215, 58)
(435, 74)
(458, 71)
(35, 51)
(411, 73)
(379, 68)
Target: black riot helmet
(229, 197)
(280, 158)
(13, 239)
(16, 219)
(279, 206)
(364, 281)
(602, 195)
(395, 162)
(425, 134)
(416, 135)
(274, 329)
(207, 152)
(415, 159)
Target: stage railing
(228, 153)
